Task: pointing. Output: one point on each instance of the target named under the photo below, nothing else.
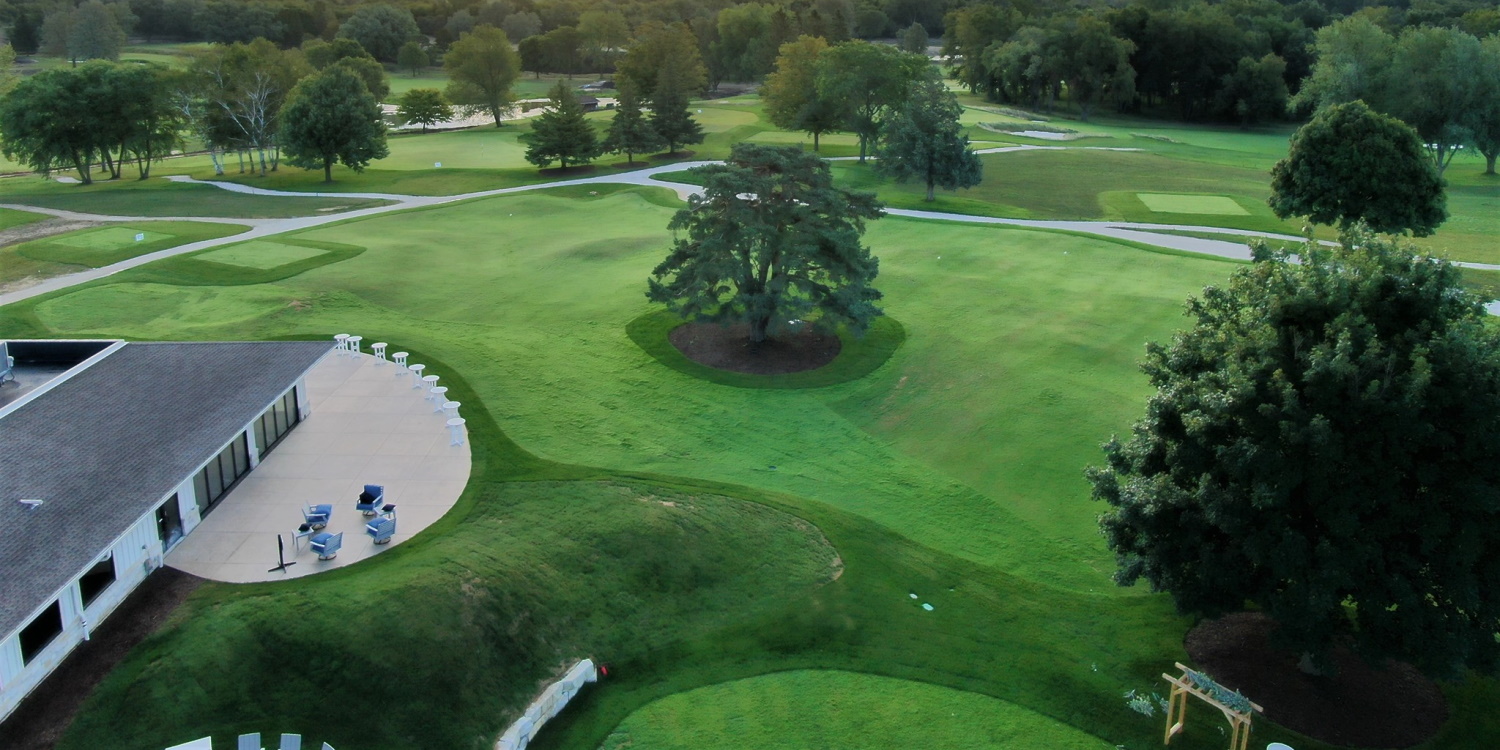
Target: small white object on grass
(927, 606)
(437, 165)
(913, 596)
(140, 236)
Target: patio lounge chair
(327, 545)
(250, 742)
(7, 363)
(382, 528)
(317, 516)
(291, 742)
(370, 500)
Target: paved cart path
(1151, 234)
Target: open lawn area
(710, 542)
(68, 252)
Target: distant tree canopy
(1324, 444)
(1351, 165)
(380, 29)
(923, 141)
(482, 67)
(331, 118)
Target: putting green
(1181, 203)
(832, 710)
(109, 238)
(260, 254)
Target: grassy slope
(1019, 359)
(839, 711)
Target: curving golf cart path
(1145, 233)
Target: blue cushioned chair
(327, 545)
(370, 500)
(317, 516)
(250, 742)
(382, 528)
(291, 741)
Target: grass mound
(834, 710)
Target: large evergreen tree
(1350, 164)
(332, 118)
(670, 115)
(923, 141)
(770, 239)
(561, 133)
(629, 132)
(1324, 443)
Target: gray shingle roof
(104, 446)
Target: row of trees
(251, 99)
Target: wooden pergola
(1198, 684)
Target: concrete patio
(368, 425)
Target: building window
(41, 632)
(277, 422)
(221, 473)
(97, 579)
(169, 522)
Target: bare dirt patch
(1393, 706)
(44, 228)
(39, 722)
(729, 348)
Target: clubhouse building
(111, 453)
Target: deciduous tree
(1324, 443)
(425, 107)
(1256, 90)
(331, 118)
(1350, 165)
(914, 39)
(245, 85)
(413, 58)
(791, 93)
(1484, 126)
(561, 133)
(380, 29)
(868, 80)
(659, 47)
(769, 240)
(482, 67)
(923, 141)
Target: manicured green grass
(260, 254)
(953, 470)
(158, 197)
(10, 217)
(95, 248)
(833, 710)
(1176, 203)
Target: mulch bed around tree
(1358, 706)
(729, 348)
(39, 722)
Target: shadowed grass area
(953, 471)
(839, 711)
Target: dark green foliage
(791, 93)
(768, 241)
(380, 29)
(1256, 90)
(629, 132)
(370, 72)
(1350, 164)
(923, 141)
(425, 107)
(321, 54)
(332, 118)
(26, 33)
(1324, 443)
(670, 116)
(914, 39)
(561, 133)
(868, 80)
(412, 57)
